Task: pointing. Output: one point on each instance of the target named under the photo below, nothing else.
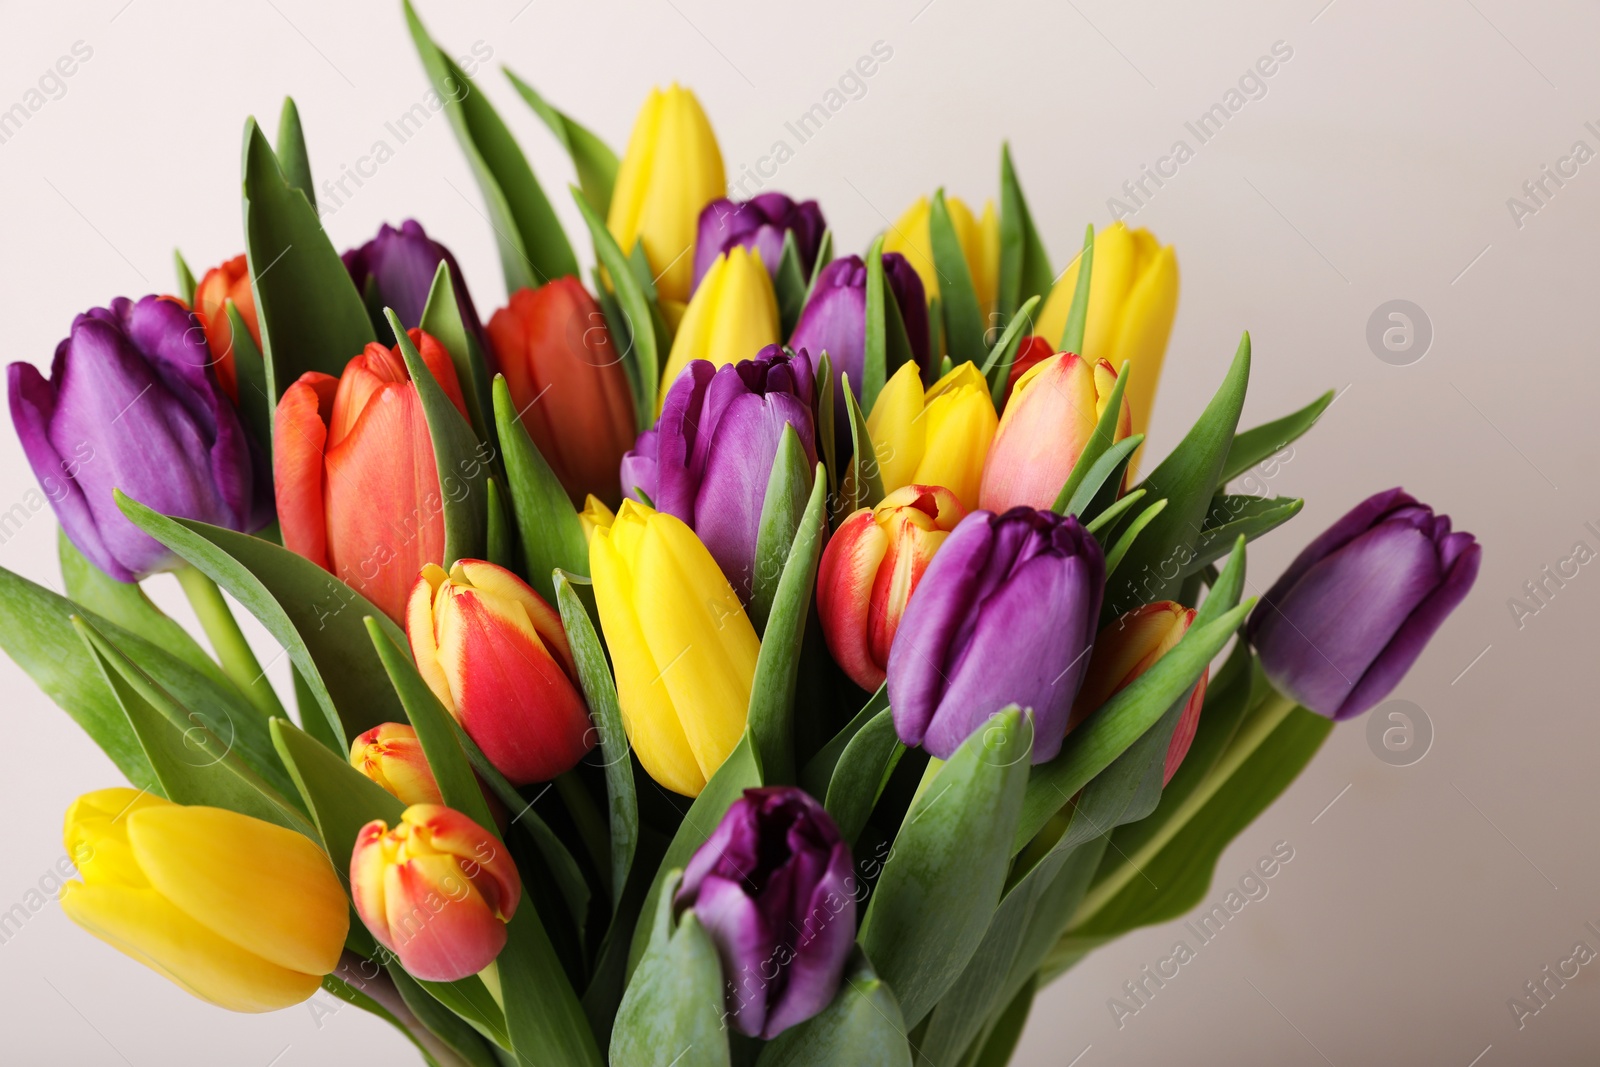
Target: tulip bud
(773, 888)
(391, 756)
(734, 314)
(1133, 298)
(936, 436)
(672, 168)
(227, 281)
(1030, 353)
(759, 224)
(131, 404)
(234, 910)
(358, 486)
(871, 567)
(979, 239)
(595, 516)
(437, 891)
(683, 650)
(1005, 614)
(1049, 420)
(496, 656)
(395, 270)
(1126, 649)
(710, 456)
(1357, 606)
(566, 379)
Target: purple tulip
(1354, 610)
(773, 889)
(1005, 614)
(132, 404)
(760, 224)
(710, 454)
(395, 270)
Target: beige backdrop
(1377, 163)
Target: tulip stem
(238, 661)
(596, 837)
(1271, 712)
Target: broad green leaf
(250, 375)
(441, 320)
(771, 718)
(887, 345)
(788, 490)
(1078, 312)
(1001, 1040)
(1252, 446)
(1091, 470)
(819, 770)
(543, 1016)
(594, 161)
(309, 612)
(997, 368)
(861, 772)
(533, 248)
(442, 1024)
(673, 1009)
(1128, 536)
(461, 459)
(292, 154)
(863, 480)
(641, 344)
(547, 526)
(1024, 263)
(963, 317)
(311, 317)
(125, 604)
(789, 284)
(186, 282)
(862, 1027)
(944, 876)
(1232, 517)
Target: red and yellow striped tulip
(933, 436)
(496, 656)
(227, 281)
(436, 890)
(391, 756)
(870, 569)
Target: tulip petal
(748, 950)
(845, 581)
(821, 947)
(439, 923)
(300, 433)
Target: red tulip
(228, 281)
(358, 490)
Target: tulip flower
(227, 281)
(1357, 606)
(871, 567)
(395, 270)
(672, 168)
(358, 488)
(236, 911)
(834, 320)
(595, 516)
(734, 314)
(759, 224)
(773, 889)
(436, 890)
(683, 650)
(566, 378)
(131, 404)
(1030, 353)
(1126, 649)
(1133, 297)
(496, 656)
(710, 455)
(979, 240)
(936, 436)
(1005, 614)
(1049, 420)
(391, 756)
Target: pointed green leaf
(1126, 539)
(861, 772)
(824, 257)
(441, 320)
(1116, 511)
(1088, 473)
(594, 161)
(862, 1027)
(292, 154)
(502, 549)
(673, 1009)
(1102, 478)
(544, 1019)
(788, 490)
(250, 374)
(825, 413)
(444, 1025)
(887, 345)
(819, 771)
(997, 368)
(186, 281)
(1232, 517)
(547, 526)
(789, 284)
(1252, 446)
(641, 344)
(1024, 263)
(125, 604)
(963, 316)
(863, 480)
(1078, 312)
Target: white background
(1377, 166)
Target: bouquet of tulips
(739, 653)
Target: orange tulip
(391, 756)
(566, 378)
(357, 487)
(229, 281)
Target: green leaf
(441, 320)
(1187, 478)
(943, 878)
(443, 1024)
(502, 549)
(309, 612)
(1253, 446)
(594, 161)
(788, 490)
(673, 1009)
(825, 411)
(310, 315)
(1110, 515)
(641, 355)
(997, 368)
(543, 1017)
(933, 371)
(963, 318)
(461, 460)
(1135, 528)
(1078, 312)
(1024, 264)
(1091, 471)
(790, 285)
(887, 345)
(819, 771)
(292, 154)
(533, 248)
(186, 281)
(1226, 589)
(863, 480)
(824, 257)
(1001, 1041)
(862, 1027)
(547, 526)
(250, 374)
(1233, 517)
(125, 604)
(861, 772)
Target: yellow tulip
(683, 649)
(734, 314)
(979, 239)
(1133, 297)
(595, 516)
(236, 911)
(937, 436)
(671, 169)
